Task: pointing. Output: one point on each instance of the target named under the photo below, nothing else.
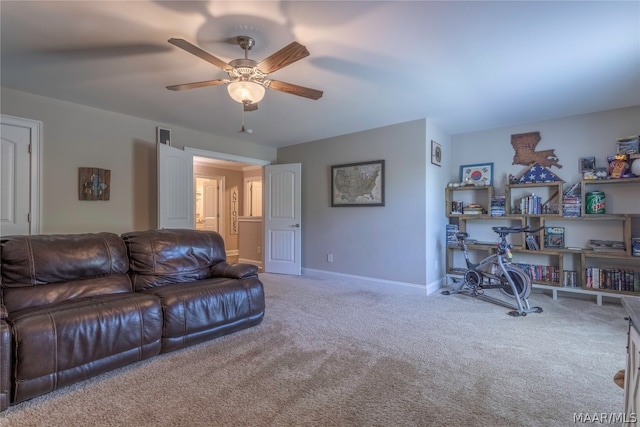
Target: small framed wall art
(163, 136)
(436, 153)
(479, 174)
(94, 184)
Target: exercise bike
(496, 272)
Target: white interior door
(19, 176)
(210, 208)
(175, 188)
(282, 219)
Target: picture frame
(554, 237)
(163, 136)
(587, 164)
(436, 153)
(477, 174)
(94, 183)
(358, 184)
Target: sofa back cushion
(161, 257)
(46, 269)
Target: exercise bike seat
(462, 235)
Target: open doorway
(208, 202)
(220, 204)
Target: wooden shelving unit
(580, 259)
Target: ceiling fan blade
(195, 50)
(250, 107)
(195, 85)
(285, 56)
(295, 89)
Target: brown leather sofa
(75, 306)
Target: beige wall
(571, 137)
(78, 136)
(232, 178)
(384, 242)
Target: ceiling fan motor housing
(245, 70)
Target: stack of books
(571, 206)
(473, 210)
(498, 206)
(572, 201)
(612, 246)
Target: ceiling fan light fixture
(246, 92)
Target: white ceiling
(466, 65)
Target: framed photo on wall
(163, 135)
(478, 174)
(436, 153)
(358, 184)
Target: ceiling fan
(247, 78)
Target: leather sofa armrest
(4, 313)
(5, 367)
(234, 271)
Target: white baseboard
(311, 272)
(435, 286)
(250, 261)
(233, 252)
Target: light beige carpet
(342, 353)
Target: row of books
(546, 273)
(531, 205)
(619, 279)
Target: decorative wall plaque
(525, 144)
(94, 184)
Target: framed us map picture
(358, 184)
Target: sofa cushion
(161, 257)
(201, 310)
(61, 344)
(45, 269)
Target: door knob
(296, 225)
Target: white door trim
(35, 127)
(197, 152)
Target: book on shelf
(473, 210)
(452, 230)
(572, 206)
(531, 205)
(617, 279)
(498, 206)
(635, 246)
(554, 237)
(612, 246)
(570, 278)
(546, 273)
(532, 243)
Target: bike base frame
(521, 308)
